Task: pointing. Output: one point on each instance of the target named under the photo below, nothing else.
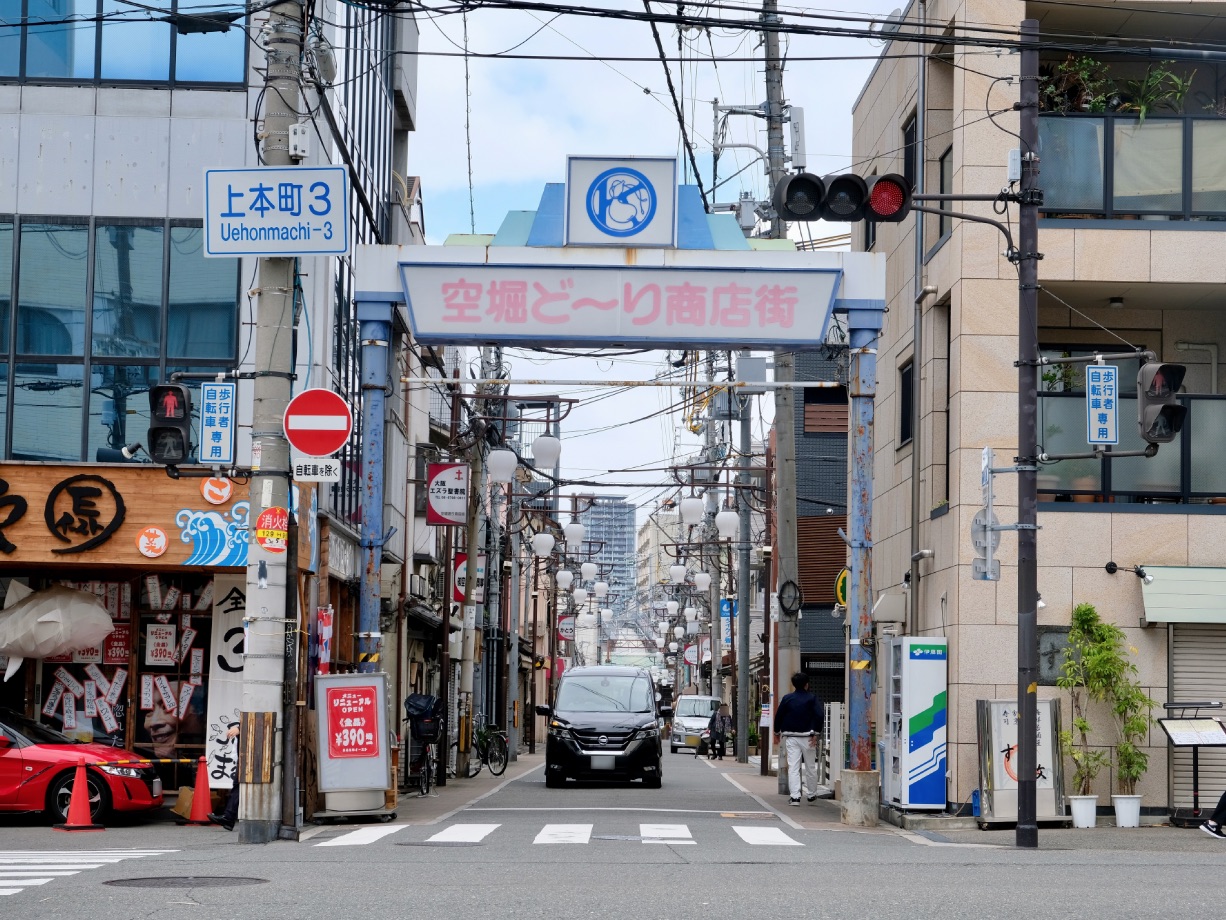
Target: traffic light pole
(264, 662)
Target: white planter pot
(1084, 809)
(1127, 810)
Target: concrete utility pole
(742, 586)
(706, 530)
(264, 662)
(1027, 441)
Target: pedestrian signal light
(847, 197)
(170, 423)
(1160, 415)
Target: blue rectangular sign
(276, 211)
(217, 424)
(1102, 404)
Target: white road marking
(666, 833)
(464, 833)
(564, 833)
(43, 870)
(26, 880)
(757, 798)
(766, 837)
(362, 836)
(4, 891)
(43, 867)
(21, 869)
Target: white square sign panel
(628, 202)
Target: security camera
(830, 511)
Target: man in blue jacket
(799, 720)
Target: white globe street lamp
(564, 579)
(691, 509)
(601, 588)
(678, 631)
(542, 543)
(691, 614)
(574, 532)
(500, 465)
(580, 596)
(676, 574)
(546, 450)
(726, 523)
(672, 647)
(672, 608)
(659, 642)
(587, 571)
(702, 581)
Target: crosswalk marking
(464, 833)
(666, 833)
(766, 837)
(362, 836)
(564, 833)
(22, 869)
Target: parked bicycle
(424, 714)
(490, 743)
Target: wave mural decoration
(217, 538)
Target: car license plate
(157, 786)
(603, 761)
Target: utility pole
(742, 587)
(1027, 441)
(264, 662)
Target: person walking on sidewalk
(799, 720)
(230, 815)
(1213, 827)
(720, 728)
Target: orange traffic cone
(200, 796)
(79, 818)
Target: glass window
(4, 404)
(203, 314)
(10, 38)
(906, 418)
(909, 152)
(6, 276)
(127, 291)
(604, 693)
(47, 405)
(118, 407)
(1143, 475)
(1207, 426)
(212, 57)
(51, 289)
(946, 166)
(1072, 155)
(134, 49)
(1209, 165)
(59, 48)
(1062, 430)
(1148, 165)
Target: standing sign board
(1102, 404)
(447, 494)
(217, 423)
(276, 211)
(998, 723)
(351, 710)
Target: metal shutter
(1197, 655)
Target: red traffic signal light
(170, 423)
(847, 197)
(1160, 415)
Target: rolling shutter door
(1197, 673)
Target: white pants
(799, 747)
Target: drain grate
(440, 843)
(186, 881)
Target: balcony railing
(1116, 166)
(1189, 470)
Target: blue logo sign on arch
(627, 202)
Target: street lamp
(702, 581)
(726, 524)
(564, 578)
(672, 647)
(574, 532)
(659, 642)
(580, 596)
(542, 543)
(601, 588)
(546, 450)
(676, 574)
(672, 608)
(587, 571)
(678, 631)
(691, 614)
(690, 509)
(500, 465)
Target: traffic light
(1160, 415)
(845, 197)
(170, 423)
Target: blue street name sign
(1102, 404)
(276, 211)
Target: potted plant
(1132, 711)
(1087, 673)
(753, 743)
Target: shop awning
(1183, 594)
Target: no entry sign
(317, 423)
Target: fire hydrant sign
(272, 529)
(351, 718)
(351, 722)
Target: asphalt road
(701, 847)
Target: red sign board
(317, 423)
(353, 723)
(566, 628)
(447, 494)
(459, 580)
(272, 529)
(117, 646)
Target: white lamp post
(676, 574)
(691, 509)
(702, 581)
(601, 588)
(500, 465)
(587, 571)
(726, 523)
(546, 450)
(564, 579)
(542, 543)
(574, 532)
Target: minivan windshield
(696, 707)
(604, 693)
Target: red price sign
(353, 723)
(117, 646)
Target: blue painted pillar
(375, 329)
(864, 328)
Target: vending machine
(916, 714)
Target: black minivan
(604, 725)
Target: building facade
(1130, 235)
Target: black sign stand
(1179, 727)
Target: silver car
(691, 714)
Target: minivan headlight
(558, 730)
(650, 731)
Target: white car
(691, 714)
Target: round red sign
(272, 529)
(317, 423)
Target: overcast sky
(525, 116)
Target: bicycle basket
(425, 715)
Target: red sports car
(37, 765)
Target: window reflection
(212, 57)
(203, 299)
(47, 404)
(51, 291)
(134, 50)
(10, 38)
(127, 290)
(6, 281)
(118, 406)
(60, 49)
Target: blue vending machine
(916, 709)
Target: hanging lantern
(727, 523)
(564, 579)
(691, 509)
(545, 451)
(691, 614)
(587, 571)
(678, 631)
(580, 596)
(601, 588)
(542, 543)
(672, 608)
(500, 465)
(676, 574)
(659, 642)
(574, 532)
(662, 626)
(702, 581)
